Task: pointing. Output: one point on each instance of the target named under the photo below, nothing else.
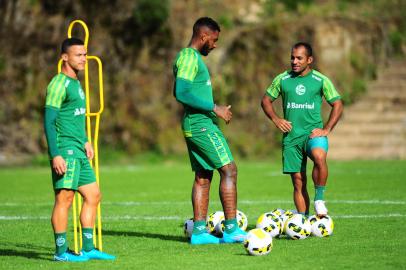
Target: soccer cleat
(320, 208)
(204, 238)
(96, 254)
(70, 256)
(238, 236)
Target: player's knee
(230, 170)
(319, 159)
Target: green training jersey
(189, 66)
(65, 94)
(302, 99)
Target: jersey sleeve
(56, 92)
(274, 90)
(329, 91)
(187, 65)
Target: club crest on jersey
(81, 93)
(300, 89)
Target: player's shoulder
(317, 75)
(58, 81)
(283, 76)
(188, 52)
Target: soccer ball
(297, 227)
(258, 242)
(215, 222)
(188, 227)
(270, 223)
(278, 211)
(242, 222)
(285, 216)
(321, 226)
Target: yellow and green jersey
(66, 97)
(193, 89)
(302, 100)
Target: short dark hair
(307, 46)
(70, 42)
(205, 21)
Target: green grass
(145, 206)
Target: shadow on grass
(146, 235)
(25, 253)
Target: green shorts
(208, 151)
(294, 158)
(78, 173)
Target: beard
(205, 49)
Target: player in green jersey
(69, 151)
(207, 147)
(304, 134)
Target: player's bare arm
(282, 124)
(335, 114)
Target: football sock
(87, 238)
(302, 213)
(60, 243)
(230, 225)
(199, 227)
(319, 193)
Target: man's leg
(300, 195)
(200, 202)
(228, 195)
(319, 174)
(59, 219)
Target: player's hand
(318, 132)
(59, 165)
(223, 112)
(283, 125)
(89, 150)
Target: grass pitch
(145, 206)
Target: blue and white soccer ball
(270, 223)
(215, 222)
(321, 226)
(188, 227)
(258, 242)
(298, 227)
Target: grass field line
(243, 202)
(132, 217)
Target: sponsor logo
(230, 226)
(88, 235)
(79, 111)
(70, 152)
(300, 89)
(208, 82)
(293, 105)
(201, 228)
(315, 77)
(60, 241)
(81, 93)
(203, 129)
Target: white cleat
(320, 208)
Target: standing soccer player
(208, 149)
(69, 150)
(304, 135)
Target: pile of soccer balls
(277, 223)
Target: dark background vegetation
(138, 40)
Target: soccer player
(70, 151)
(208, 149)
(302, 89)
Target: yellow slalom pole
(77, 206)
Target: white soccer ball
(242, 220)
(285, 216)
(215, 222)
(321, 226)
(278, 211)
(258, 242)
(188, 227)
(297, 227)
(270, 223)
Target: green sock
(87, 238)
(61, 244)
(230, 225)
(319, 192)
(199, 227)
